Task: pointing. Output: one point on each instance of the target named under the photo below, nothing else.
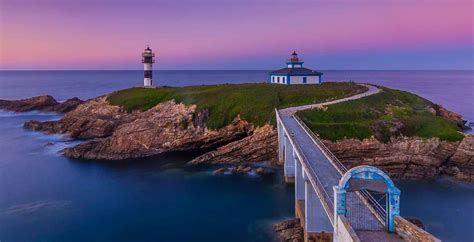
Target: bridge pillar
(311, 209)
(299, 191)
(289, 161)
(299, 181)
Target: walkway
(321, 169)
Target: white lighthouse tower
(148, 60)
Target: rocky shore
(40, 103)
(110, 133)
(410, 158)
(115, 134)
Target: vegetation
(254, 102)
(382, 115)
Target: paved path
(323, 169)
(292, 110)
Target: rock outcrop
(92, 119)
(455, 117)
(462, 162)
(408, 158)
(40, 103)
(289, 230)
(166, 127)
(261, 145)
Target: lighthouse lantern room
(148, 58)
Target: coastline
(116, 134)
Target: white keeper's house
(295, 73)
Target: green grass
(254, 102)
(378, 116)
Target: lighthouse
(148, 60)
(295, 73)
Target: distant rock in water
(289, 230)
(40, 103)
(241, 169)
(67, 105)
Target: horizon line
(233, 70)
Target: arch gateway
(372, 179)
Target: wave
(8, 114)
(27, 208)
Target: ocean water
(47, 197)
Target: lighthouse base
(147, 82)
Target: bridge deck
(321, 169)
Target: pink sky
(248, 34)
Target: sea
(47, 197)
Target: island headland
(403, 134)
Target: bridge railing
(327, 199)
(377, 209)
(316, 182)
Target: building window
(278, 79)
(273, 79)
(305, 79)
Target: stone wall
(345, 233)
(410, 232)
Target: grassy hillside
(254, 102)
(382, 115)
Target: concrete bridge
(332, 202)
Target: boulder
(289, 230)
(220, 171)
(260, 171)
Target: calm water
(48, 197)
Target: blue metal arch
(369, 173)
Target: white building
(295, 73)
(148, 60)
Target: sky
(236, 34)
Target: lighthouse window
(304, 80)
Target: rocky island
(405, 135)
